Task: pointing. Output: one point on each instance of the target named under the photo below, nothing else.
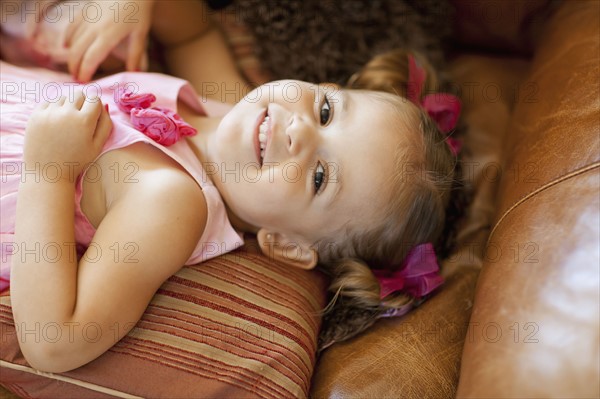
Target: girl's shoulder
(143, 177)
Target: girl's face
(328, 155)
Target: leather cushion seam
(540, 189)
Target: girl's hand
(92, 39)
(66, 136)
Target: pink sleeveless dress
(20, 92)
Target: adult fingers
(71, 32)
(95, 55)
(76, 52)
(136, 51)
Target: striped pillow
(235, 326)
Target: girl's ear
(279, 247)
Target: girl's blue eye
(319, 177)
(325, 113)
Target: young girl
(351, 179)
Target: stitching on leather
(540, 189)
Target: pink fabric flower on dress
(160, 124)
(128, 101)
(185, 129)
(156, 125)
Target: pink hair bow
(418, 275)
(443, 108)
(160, 124)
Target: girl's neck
(205, 126)
(200, 144)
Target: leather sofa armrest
(537, 300)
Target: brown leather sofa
(519, 313)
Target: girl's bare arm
(80, 309)
(88, 307)
(196, 50)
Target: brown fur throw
(328, 41)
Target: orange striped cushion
(235, 326)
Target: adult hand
(101, 28)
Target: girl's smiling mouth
(263, 130)
(262, 133)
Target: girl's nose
(300, 133)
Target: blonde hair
(410, 217)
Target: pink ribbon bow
(160, 124)
(418, 275)
(443, 108)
